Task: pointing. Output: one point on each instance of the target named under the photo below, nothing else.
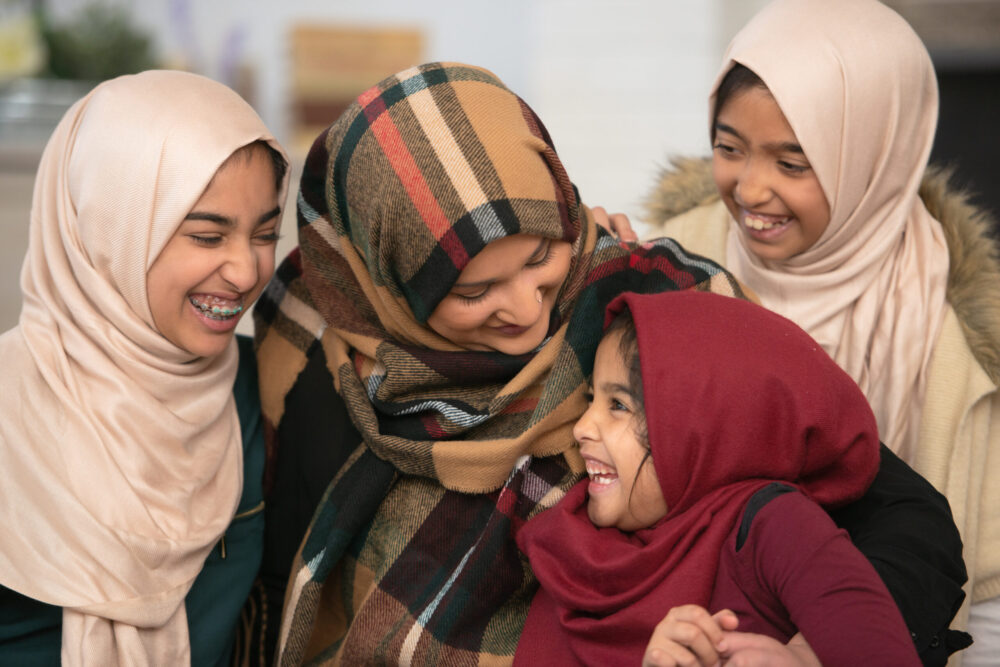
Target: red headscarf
(736, 397)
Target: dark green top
(31, 631)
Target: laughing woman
(126, 447)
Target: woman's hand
(617, 223)
(688, 635)
(746, 649)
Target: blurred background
(620, 84)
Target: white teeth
(601, 474)
(754, 222)
(216, 308)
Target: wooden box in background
(332, 65)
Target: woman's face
(764, 177)
(503, 298)
(220, 258)
(624, 491)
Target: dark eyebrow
(210, 217)
(615, 388)
(270, 215)
(229, 222)
(784, 147)
(490, 282)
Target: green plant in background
(98, 43)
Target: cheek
(722, 174)
(558, 269)
(265, 262)
(814, 208)
(453, 316)
(649, 493)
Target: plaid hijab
(420, 174)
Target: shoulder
(776, 510)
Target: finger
(726, 619)
(622, 226)
(601, 218)
(705, 622)
(693, 627)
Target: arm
(904, 527)
(829, 590)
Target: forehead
(755, 111)
(608, 364)
(501, 257)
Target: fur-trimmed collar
(974, 255)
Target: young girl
(126, 447)
(716, 431)
(823, 117)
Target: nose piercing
(538, 296)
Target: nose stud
(538, 296)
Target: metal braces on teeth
(216, 311)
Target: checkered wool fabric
(411, 557)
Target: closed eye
(469, 299)
(725, 149)
(205, 239)
(541, 258)
(793, 168)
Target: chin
(201, 346)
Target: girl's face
(219, 259)
(624, 491)
(504, 295)
(764, 177)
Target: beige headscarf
(857, 86)
(121, 454)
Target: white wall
(620, 84)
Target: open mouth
(216, 308)
(601, 474)
(765, 223)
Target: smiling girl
(818, 196)
(715, 432)
(129, 420)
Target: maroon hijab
(736, 397)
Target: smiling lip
(602, 476)
(764, 227)
(511, 330)
(213, 321)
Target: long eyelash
(794, 168)
(471, 300)
(544, 260)
(274, 236)
(205, 240)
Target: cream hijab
(857, 86)
(121, 454)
